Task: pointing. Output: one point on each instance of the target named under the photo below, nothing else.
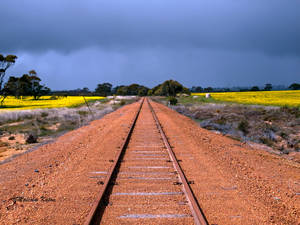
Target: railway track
(145, 184)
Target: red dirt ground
(234, 184)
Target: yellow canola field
(275, 98)
(12, 103)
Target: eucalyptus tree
(26, 85)
(5, 63)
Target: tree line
(26, 85)
(267, 87)
(29, 85)
(167, 88)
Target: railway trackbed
(145, 183)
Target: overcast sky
(80, 43)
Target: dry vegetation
(275, 127)
(19, 129)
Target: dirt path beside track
(233, 183)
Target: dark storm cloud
(151, 66)
(272, 27)
(76, 43)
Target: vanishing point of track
(145, 184)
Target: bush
(83, 113)
(172, 100)
(291, 110)
(122, 102)
(283, 135)
(31, 139)
(266, 141)
(244, 126)
(44, 114)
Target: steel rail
(91, 218)
(198, 214)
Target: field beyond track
(273, 98)
(12, 103)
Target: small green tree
(122, 90)
(5, 63)
(197, 89)
(9, 88)
(142, 92)
(133, 89)
(169, 88)
(27, 85)
(208, 89)
(103, 89)
(186, 90)
(294, 86)
(254, 88)
(268, 87)
(150, 92)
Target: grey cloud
(271, 27)
(150, 66)
(75, 43)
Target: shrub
(283, 134)
(172, 100)
(31, 139)
(44, 114)
(83, 113)
(266, 141)
(122, 102)
(244, 126)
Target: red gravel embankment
(233, 183)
